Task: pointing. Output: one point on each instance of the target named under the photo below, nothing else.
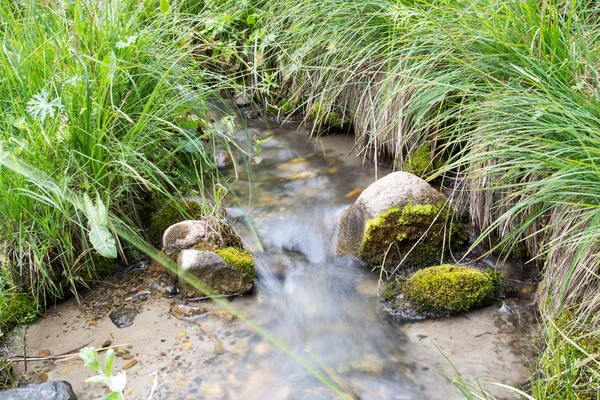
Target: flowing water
(325, 308)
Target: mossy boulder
(400, 220)
(444, 290)
(228, 270)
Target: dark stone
(122, 317)
(56, 390)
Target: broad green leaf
(164, 6)
(100, 236)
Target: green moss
(239, 259)
(172, 213)
(393, 289)
(321, 116)
(16, 308)
(450, 289)
(421, 163)
(285, 105)
(390, 236)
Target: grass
(104, 98)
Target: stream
(325, 308)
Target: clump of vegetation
(323, 117)
(421, 162)
(390, 237)
(172, 213)
(16, 307)
(446, 289)
(103, 111)
(568, 368)
(238, 258)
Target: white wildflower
(40, 105)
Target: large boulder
(397, 215)
(225, 271)
(56, 390)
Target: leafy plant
(116, 383)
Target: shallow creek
(324, 307)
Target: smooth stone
(394, 190)
(184, 235)
(164, 288)
(55, 390)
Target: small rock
(129, 364)
(106, 344)
(369, 364)
(241, 99)
(187, 234)
(224, 158)
(164, 288)
(251, 114)
(43, 353)
(56, 390)
(301, 176)
(184, 235)
(123, 317)
(212, 271)
(120, 352)
(128, 356)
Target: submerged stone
(400, 220)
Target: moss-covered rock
(400, 219)
(233, 274)
(170, 214)
(446, 289)
(395, 235)
(238, 258)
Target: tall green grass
(105, 99)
